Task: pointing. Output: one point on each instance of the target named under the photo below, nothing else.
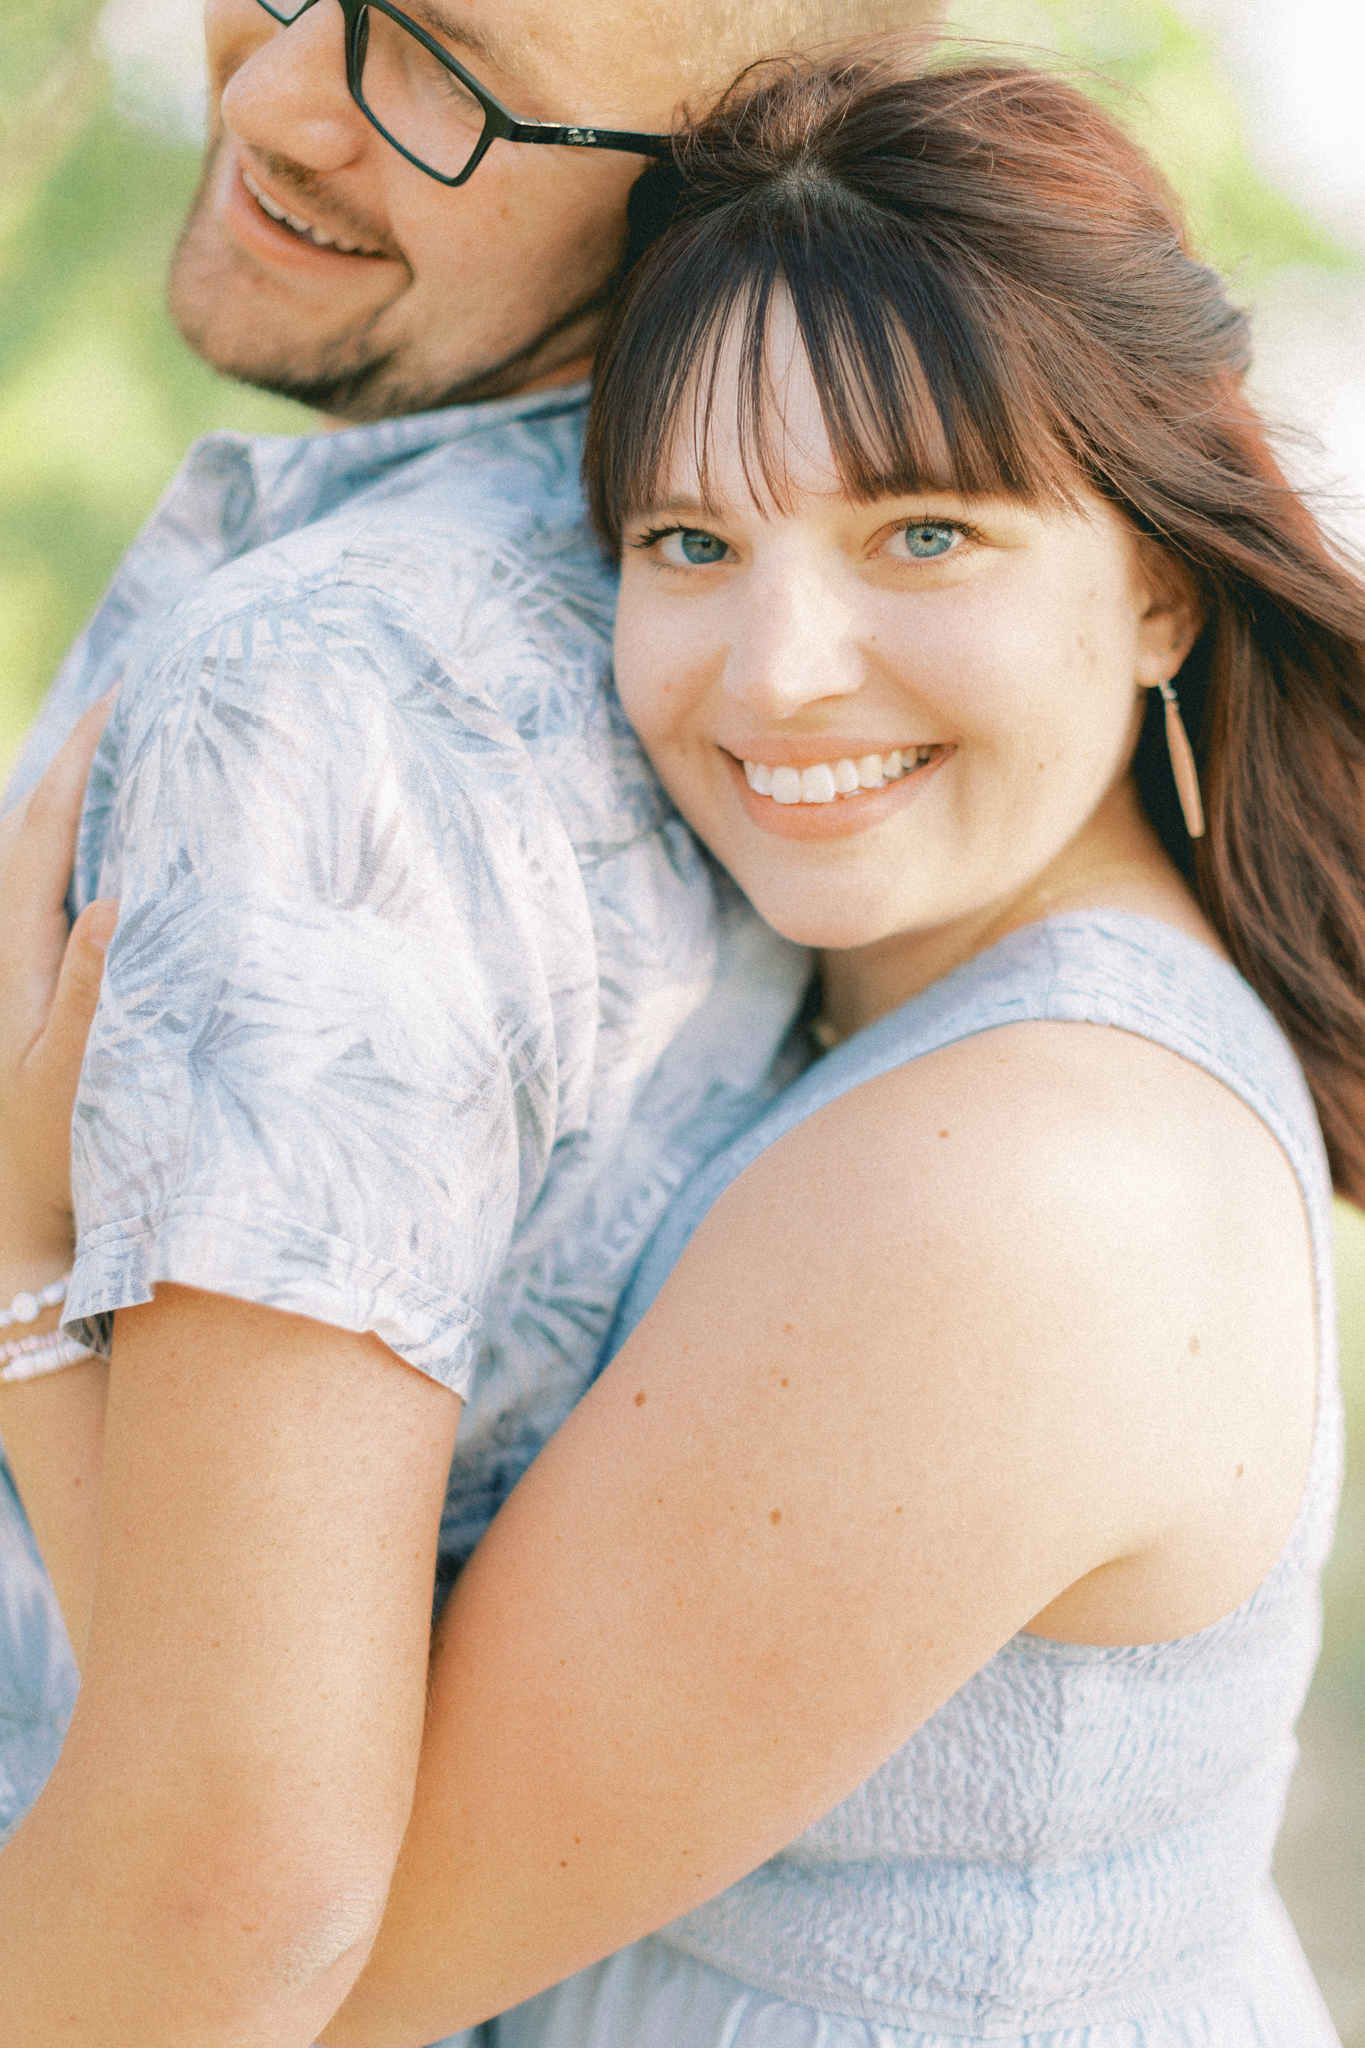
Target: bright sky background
(1300, 68)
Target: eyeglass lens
(421, 106)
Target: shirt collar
(283, 479)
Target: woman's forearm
(52, 1429)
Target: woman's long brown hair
(996, 294)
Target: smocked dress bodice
(1075, 1849)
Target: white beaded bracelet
(28, 1358)
(26, 1307)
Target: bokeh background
(1253, 108)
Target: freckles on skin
(990, 664)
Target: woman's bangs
(920, 388)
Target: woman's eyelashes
(925, 540)
(684, 547)
(913, 540)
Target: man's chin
(360, 391)
(254, 327)
(342, 379)
(243, 331)
(260, 329)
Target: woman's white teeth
(817, 784)
(294, 220)
(825, 780)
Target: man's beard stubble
(349, 377)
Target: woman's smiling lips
(845, 790)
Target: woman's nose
(797, 644)
(290, 98)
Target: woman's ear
(1169, 624)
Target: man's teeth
(824, 781)
(294, 221)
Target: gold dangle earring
(1182, 764)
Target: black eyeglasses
(433, 111)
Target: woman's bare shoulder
(1118, 1245)
(1065, 1113)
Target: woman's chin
(826, 928)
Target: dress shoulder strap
(1104, 967)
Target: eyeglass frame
(500, 123)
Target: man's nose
(798, 644)
(290, 97)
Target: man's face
(442, 294)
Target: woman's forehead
(753, 421)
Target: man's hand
(49, 985)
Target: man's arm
(210, 1858)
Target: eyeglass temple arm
(590, 138)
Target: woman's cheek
(655, 667)
(636, 664)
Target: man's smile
(298, 235)
(297, 225)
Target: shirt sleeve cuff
(279, 1263)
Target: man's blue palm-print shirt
(422, 999)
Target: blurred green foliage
(98, 395)
(1343, 1657)
(1162, 78)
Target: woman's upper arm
(909, 1382)
(223, 1821)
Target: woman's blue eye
(700, 548)
(683, 546)
(929, 538)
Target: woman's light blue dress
(1074, 1852)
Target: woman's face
(882, 718)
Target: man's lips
(298, 224)
(257, 220)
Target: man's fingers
(61, 1045)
